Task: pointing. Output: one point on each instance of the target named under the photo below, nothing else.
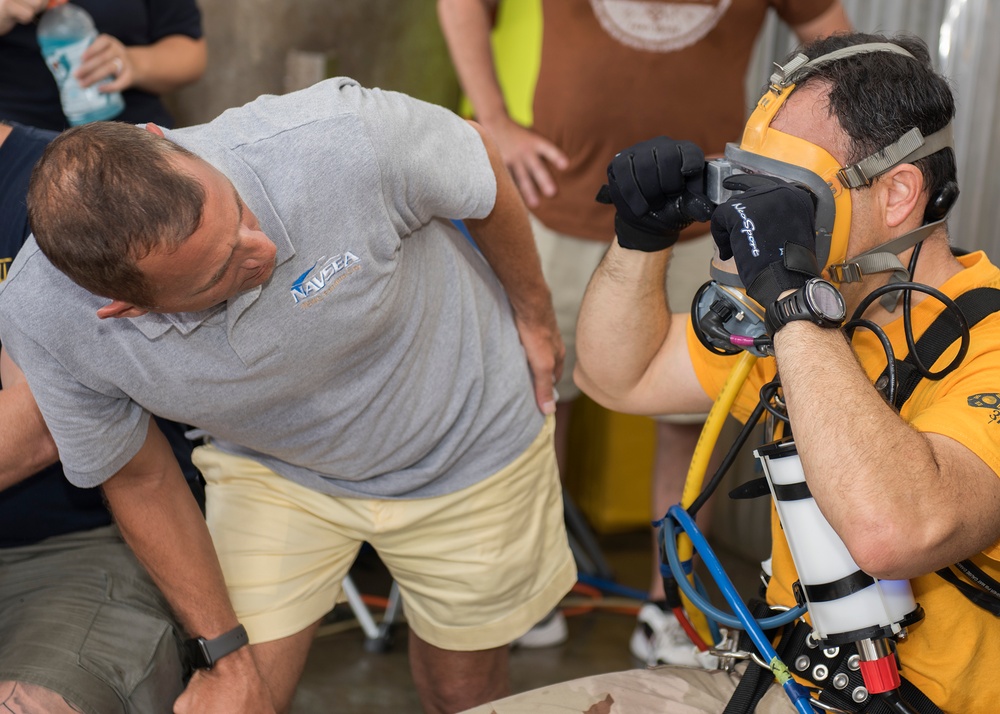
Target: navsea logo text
(313, 282)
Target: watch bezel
(201, 658)
(812, 303)
(802, 304)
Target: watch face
(198, 653)
(827, 300)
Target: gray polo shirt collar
(152, 325)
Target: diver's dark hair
(879, 96)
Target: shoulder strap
(982, 591)
(975, 304)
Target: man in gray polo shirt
(288, 278)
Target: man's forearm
(624, 321)
(904, 502)
(506, 241)
(466, 25)
(25, 442)
(161, 522)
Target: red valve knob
(880, 675)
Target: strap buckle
(729, 658)
(845, 272)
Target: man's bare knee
(449, 681)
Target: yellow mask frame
(767, 150)
(833, 222)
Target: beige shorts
(568, 263)
(476, 569)
(678, 690)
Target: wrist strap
(205, 653)
(637, 239)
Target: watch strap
(205, 653)
(787, 309)
(796, 306)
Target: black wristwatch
(817, 301)
(204, 653)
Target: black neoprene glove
(770, 231)
(657, 187)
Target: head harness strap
(796, 69)
(883, 259)
(910, 147)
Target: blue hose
(796, 693)
(609, 586)
(713, 625)
(718, 574)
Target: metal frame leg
(378, 636)
(583, 543)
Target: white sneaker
(658, 638)
(548, 632)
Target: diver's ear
(153, 129)
(901, 188)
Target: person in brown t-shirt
(614, 73)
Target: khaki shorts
(476, 569)
(81, 618)
(677, 690)
(568, 263)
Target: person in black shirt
(149, 47)
(83, 626)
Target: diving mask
(775, 153)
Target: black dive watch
(818, 301)
(203, 654)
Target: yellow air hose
(699, 465)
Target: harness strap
(783, 492)
(983, 593)
(755, 488)
(975, 304)
(834, 670)
(755, 680)
(883, 259)
(792, 491)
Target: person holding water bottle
(67, 63)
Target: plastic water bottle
(64, 33)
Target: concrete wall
(393, 44)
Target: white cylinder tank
(821, 558)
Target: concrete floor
(342, 676)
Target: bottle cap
(55, 3)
